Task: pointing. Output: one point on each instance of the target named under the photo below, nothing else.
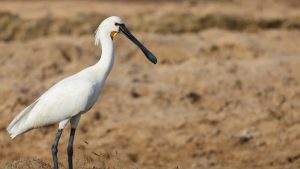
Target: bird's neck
(106, 61)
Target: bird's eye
(116, 24)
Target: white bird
(68, 99)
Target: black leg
(55, 150)
(70, 148)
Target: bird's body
(68, 99)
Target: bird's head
(112, 26)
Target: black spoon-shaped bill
(148, 54)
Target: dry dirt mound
(14, 27)
(27, 164)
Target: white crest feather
(97, 36)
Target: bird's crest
(97, 36)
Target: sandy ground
(217, 99)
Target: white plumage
(73, 95)
(69, 97)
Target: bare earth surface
(222, 96)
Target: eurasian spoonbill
(68, 99)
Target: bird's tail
(17, 126)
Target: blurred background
(225, 93)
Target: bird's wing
(64, 100)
